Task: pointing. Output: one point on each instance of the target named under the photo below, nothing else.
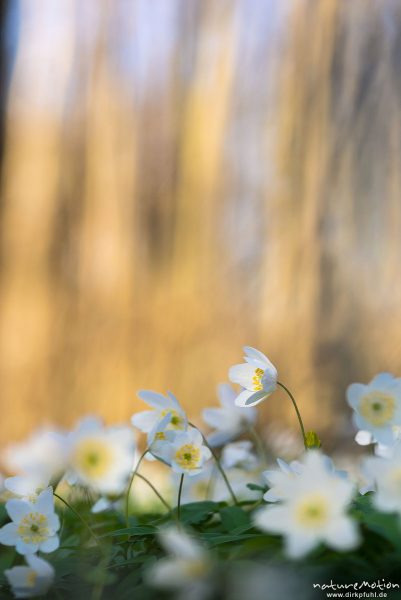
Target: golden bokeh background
(182, 177)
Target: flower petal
(17, 509)
(154, 399)
(247, 398)
(8, 534)
(51, 544)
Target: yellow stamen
(93, 458)
(33, 528)
(188, 457)
(257, 380)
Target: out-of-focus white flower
(280, 482)
(229, 420)
(44, 453)
(258, 377)
(239, 454)
(385, 473)
(186, 453)
(32, 580)
(5, 494)
(104, 503)
(101, 457)
(186, 569)
(313, 511)
(34, 526)
(161, 406)
(377, 406)
(27, 487)
(209, 485)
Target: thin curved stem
(76, 513)
(218, 464)
(179, 497)
(162, 500)
(134, 472)
(297, 411)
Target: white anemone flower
(377, 406)
(239, 454)
(101, 457)
(32, 580)
(44, 453)
(385, 473)
(313, 511)
(280, 482)
(161, 406)
(27, 487)
(258, 377)
(229, 420)
(34, 526)
(186, 568)
(186, 453)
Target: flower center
(312, 512)
(93, 458)
(176, 421)
(257, 380)
(188, 457)
(31, 578)
(33, 528)
(160, 435)
(377, 408)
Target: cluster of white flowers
(307, 500)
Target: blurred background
(182, 177)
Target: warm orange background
(181, 178)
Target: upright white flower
(32, 580)
(239, 454)
(229, 420)
(44, 453)
(186, 453)
(161, 406)
(187, 567)
(313, 510)
(34, 526)
(258, 377)
(27, 487)
(101, 457)
(385, 474)
(377, 406)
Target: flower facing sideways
(258, 377)
(229, 420)
(32, 580)
(186, 453)
(313, 511)
(186, 568)
(161, 406)
(34, 526)
(377, 406)
(101, 457)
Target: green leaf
(232, 518)
(197, 512)
(255, 487)
(139, 530)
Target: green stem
(76, 513)
(218, 464)
(134, 472)
(179, 497)
(296, 410)
(162, 500)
